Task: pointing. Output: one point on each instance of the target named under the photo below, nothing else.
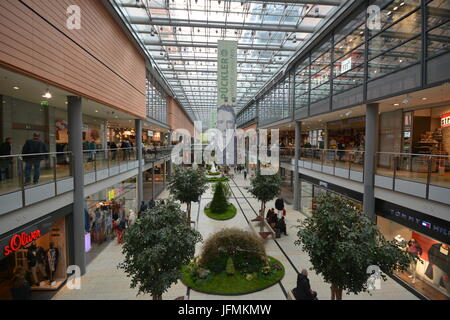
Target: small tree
(219, 203)
(342, 243)
(265, 188)
(187, 185)
(156, 247)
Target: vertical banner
(226, 99)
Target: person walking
(279, 205)
(303, 290)
(120, 230)
(245, 174)
(5, 161)
(151, 203)
(21, 289)
(37, 151)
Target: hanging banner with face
(226, 98)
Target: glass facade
(246, 115)
(356, 54)
(156, 101)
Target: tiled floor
(104, 281)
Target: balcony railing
(422, 175)
(27, 179)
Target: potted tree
(156, 247)
(343, 245)
(264, 188)
(187, 185)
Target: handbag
(284, 212)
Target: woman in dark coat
(303, 290)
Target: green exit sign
(44, 103)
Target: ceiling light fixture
(16, 88)
(47, 94)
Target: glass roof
(181, 38)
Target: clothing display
(439, 267)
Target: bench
(264, 234)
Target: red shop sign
(20, 240)
(445, 120)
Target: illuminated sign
(20, 240)
(346, 65)
(111, 194)
(445, 120)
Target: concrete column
(298, 137)
(153, 180)
(371, 144)
(140, 180)
(75, 125)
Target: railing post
(334, 162)
(396, 159)
(430, 163)
(94, 158)
(55, 160)
(21, 178)
(349, 164)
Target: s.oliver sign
(20, 238)
(19, 241)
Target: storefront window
(430, 275)
(42, 260)
(306, 199)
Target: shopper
(279, 205)
(151, 203)
(143, 207)
(303, 290)
(113, 147)
(245, 174)
(120, 230)
(5, 161)
(21, 289)
(37, 151)
(341, 146)
(281, 226)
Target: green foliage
(239, 283)
(156, 247)
(238, 244)
(230, 267)
(217, 179)
(225, 187)
(228, 214)
(342, 243)
(265, 187)
(219, 203)
(217, 173)
(187, 185)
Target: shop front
(311, 188)
(346, 134)
(104, 210)
(426, 236)
(417, 134)
(40, 249)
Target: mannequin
(32, 262)
(41, 261)
(52, 256)
(439, 268)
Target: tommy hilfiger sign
(434, 227)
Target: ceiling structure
(181, 37)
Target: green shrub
(230, 267)
(242, 246)
(219, 203)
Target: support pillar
(371, 144)
(297, 189)
(75, 125)
(140, 179)
(153, 180)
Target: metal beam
(293, 2)
(188, 44)
(218, 25)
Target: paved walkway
(104, 281)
